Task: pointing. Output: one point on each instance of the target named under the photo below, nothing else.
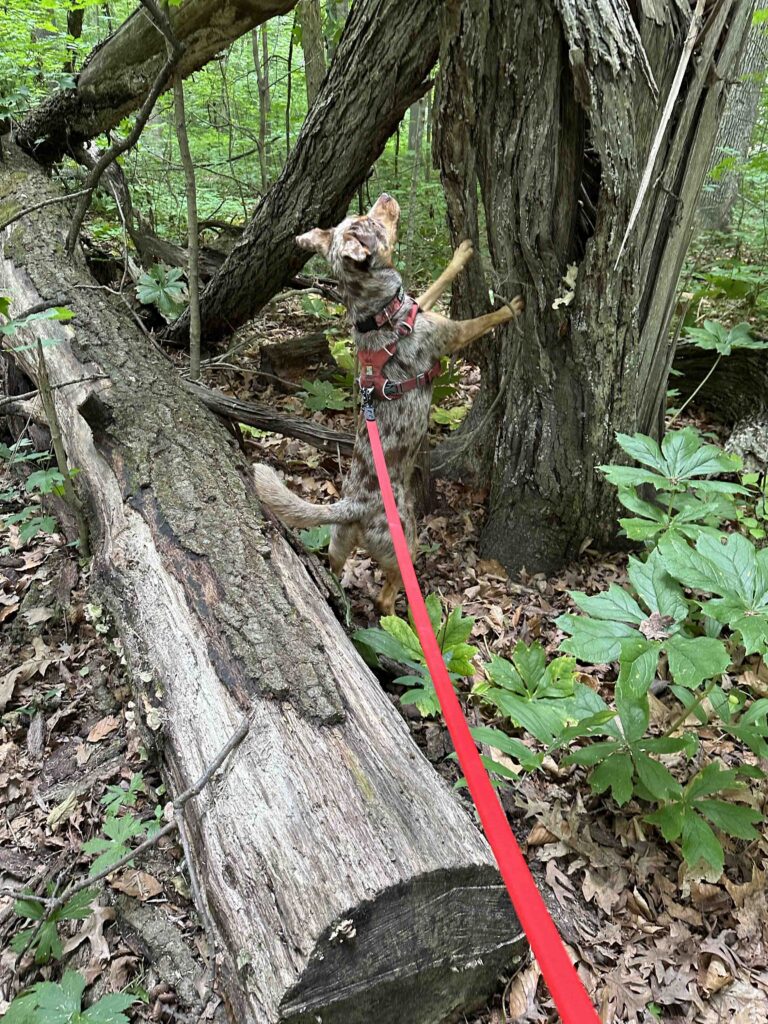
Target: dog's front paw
(465, 251)
(517, 305)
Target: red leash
(567, 991)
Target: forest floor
(656, 944)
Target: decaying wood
(373, 79)
(343, 877)
(119, 73)
(265, 418)
(738, 387)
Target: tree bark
(372, 81)
(558, 166)
(119, 73)
(312, 45)
(343, 877)
(735, 132)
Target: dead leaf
(93, 930)
(717, 976)
(138, 884)
(103, 728)
(37, 615)
(540, 836)
(61, 812)
(82, 754)
(522, 993)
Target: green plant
(538, 696)
(691, 812)
(119, 831)
(44, 939)
(31, 519)
(317, 538)
(49, 1002)
(164, 287)
(683, 499)
(321, 394)
(397, 640)
(117, 797)
(452, 417)
(730, 567)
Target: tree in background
(736, 127)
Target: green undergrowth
(694, 607)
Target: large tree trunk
(119, 73)
(556, 99)
(375, 76)
(345, 881)
(735, 132)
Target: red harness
(373, 361)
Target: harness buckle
(366, 398)
(390, 389)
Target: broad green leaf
(656, 588)
(108, 1009)
(657, 779)
(593, 640)
(733, 819)
(404, 635)
(712, 779)
(669, 820)
(31, 909)
(616, 772)
(642, 449)
(638, 661)
(542, 718)
(700, 844)
(694, 659)
(633, 713)
(499, 740)
(592, 754)
(616, 605)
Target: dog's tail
(292, 509)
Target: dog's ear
(316, 240)
(353, 249)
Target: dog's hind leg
(343, 538)
(393, 584)
(460, 259)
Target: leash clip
(366, 397)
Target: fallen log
(738, 387)
(261, 416)
(119, 72)
(344, 880)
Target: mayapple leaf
(694, 659)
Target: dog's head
(358, 243)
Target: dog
(391, 332)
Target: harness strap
(373, 361)
(568, 993)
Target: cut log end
(378, 963)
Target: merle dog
(359, 251)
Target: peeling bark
(344, 879)
(549, 106)
(119, 73)
(373, 79)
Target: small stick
(39, 206)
